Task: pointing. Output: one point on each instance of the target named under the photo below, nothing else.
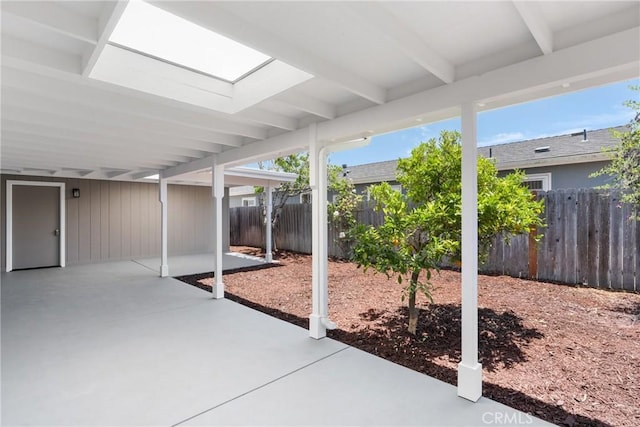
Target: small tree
(423, 225)
(342, 214)
(625, 158)
(299, 165)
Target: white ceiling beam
(79, 153)
(80, 115)
(106, 24)
(307, 104)
(38, 135)
(31, 53)
(47, 124)
(262, 116)
(18, 94)
(192, 166)
(214, 16)
(49, 15)
(66, 86)
(117, 173)
(281, 145)
(37, 158)
(616, 55)
(539, 29)
(143, 174)
(405, 39)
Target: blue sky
(590, 109)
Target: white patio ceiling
(355, 68)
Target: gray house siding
(115, 220)
(574, 175)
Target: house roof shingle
(556, 150)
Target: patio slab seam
(346, 347)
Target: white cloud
(620, 116)
(426, 133)
(502, 138)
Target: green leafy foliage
(342, 214)
(423, 225)
(299, 165)
(625, 157)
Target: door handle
(56, 232)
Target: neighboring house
(243, 196)
(552, 163)
(368, 174)
(558, 162)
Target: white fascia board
(268, 175)
(242, 190)
(553, 161)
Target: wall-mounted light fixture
(75, 193)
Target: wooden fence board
(588, 239)
(545, 254)
(603, 245)
(582, 236)
(630, 249)
(559, 246)
(637, 251)
(570, 238)
(593, 240)
(615, 241)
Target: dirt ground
(569, 355)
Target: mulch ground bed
(569, 355)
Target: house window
(397, 187)
(248, 201)
(305, 198)
(538, 181)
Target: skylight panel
(155, 32)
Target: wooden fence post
(533, 246)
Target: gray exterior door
(36, 226)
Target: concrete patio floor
(181, 265)
(111, 344)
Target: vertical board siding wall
(113, 220)
(589, 239)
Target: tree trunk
(413, 311)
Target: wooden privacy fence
(589, 239)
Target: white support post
(164, 265)
(469, 370)
(268, 256)
(319, 320)
(217, 189)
